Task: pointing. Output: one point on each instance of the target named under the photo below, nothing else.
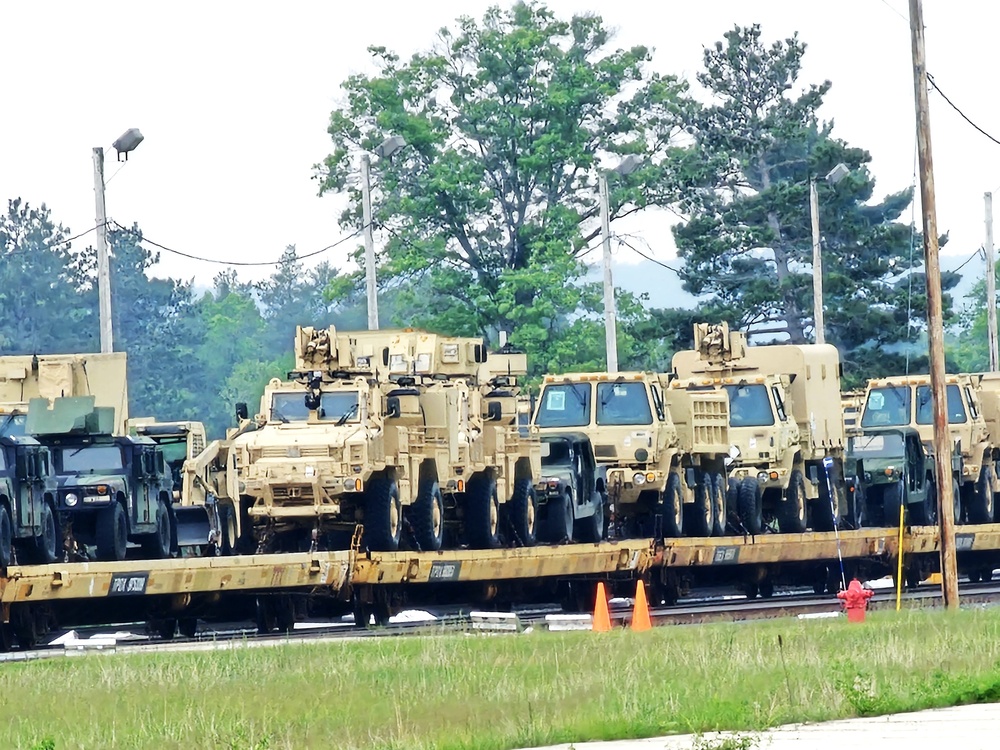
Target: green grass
(504, 691)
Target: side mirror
(494, 411)
(241, 411)
(392, 409)
(385, 356)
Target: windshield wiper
(281, 417)
(347, 415)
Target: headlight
(71, 499)
(638, 479)
(761, 476)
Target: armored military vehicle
(572, 491)
(664, 448)
(111, 490)
(785, 424)
(28, 528)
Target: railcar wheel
(157, 544)
(6, 537)
(482, 512)
(523, 512)
(792, 519)
(383, 515)
(672, 507)
(427, 516)
(188, 626)
(975, 576)
(751, 506)
(112, 533)
(559, 521)
(719, 505)
(701, 513)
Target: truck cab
(110, 489)
(572, 491)
(28, 529)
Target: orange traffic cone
(640, 613)
(602, 618)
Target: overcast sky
(233, 100)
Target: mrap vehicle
(111, 489)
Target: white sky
(233, 101)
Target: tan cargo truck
(663, 447)
(973, 410)
(786, 427)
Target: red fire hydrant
(855, 600)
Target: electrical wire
(66, 241)
(157, 245)
(964, 116)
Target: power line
(66, 241)
(142, 238)
(636, 250)
(964, 116)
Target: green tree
(486, 212)
(747, 243)
(290, 297)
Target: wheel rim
(163, 526)
(436, 516)
(494, 513)
(393, 516)
(530, 513)
(800, 502)
(49, 534)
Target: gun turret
(68, 416)
(717, 345)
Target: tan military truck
(785, 424)
(664, 448)
(973, 410)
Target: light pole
(627, 166)
(386, 149)
(124, 145)
(834, 176)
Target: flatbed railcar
(35, 598)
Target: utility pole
(366, 217)
(817, 263)
(610, 322)
(103, 264)
(935, 328)
(991, 287)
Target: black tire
(719, 505)
(672, 507)
(591, 528)
(522, 512)
(482, 513)
(227, 522)
(701, 517)
(981, 508)
(427, 516)
(383, 515)
(559, 519)
(894, 496)
(47, 542)
(792, 518)
(925, 513)
(6, 538)
(956, 494)
(158, 544)
(751, 506)
(112, 533)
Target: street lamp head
(838, 173)
(628, 165)
(127, 142)
(390, 146)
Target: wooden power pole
(935, 327)
(991, 286)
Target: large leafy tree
(486, 211)
(747, 243)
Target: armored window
(658, 403)
(955, 407)
(342, 405)
(89, 459)
(889, 445)
(888, 406)
(972, 403)
(623, 404)
(749, 406)
(289, 407)
(564, 405)
(779, 403)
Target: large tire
(701, 516)
(751, 506)
(482, 513)
(672, 507)
(522, 512)
(6, 538)
(227, 520)
(981, 507)
(591, 528)
(47, 542)
(383, 515)
(157, 545)
(112, 533)
(792, 518)
(427, 516)
(720, 505)
(559, 519)
(925, 513)
(893, 497)
(956, 498)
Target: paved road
(965, 727)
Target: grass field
(504, 691)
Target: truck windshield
(925, 412)
(90, 458)
(623, 403)
(749, 406)
(564, 405)
(889, 445)
(342, 405)
(888, 406)
(555, 452)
